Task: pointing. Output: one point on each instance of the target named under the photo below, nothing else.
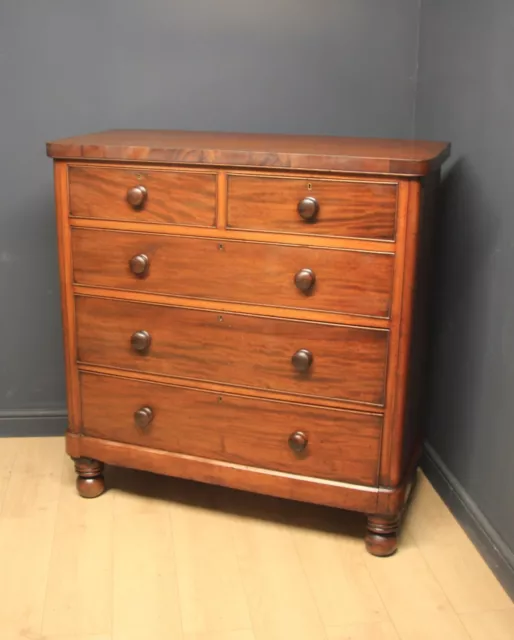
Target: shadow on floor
(236, 503)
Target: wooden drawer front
(346, 209)
(342, 445)
(350, 282)
(172, 197)
(348, 363)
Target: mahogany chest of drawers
(240, 310)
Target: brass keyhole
(309, 186)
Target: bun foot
(90, 481)
(382, 535)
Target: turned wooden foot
(90, 481)
(382, 535)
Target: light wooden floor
(159, 558)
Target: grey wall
(466, 95)
(71, 66)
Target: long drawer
(304, 358)
(352, 282)
(143, 195)
(341, 208)
(326, 443)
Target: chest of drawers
(248, 310)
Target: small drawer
(310, 441)
(303, 358)
(338, 208)
(143, 195)
(333, 280)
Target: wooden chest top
(312, 153)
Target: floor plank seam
(438, 582)
(169, 513)
(112, 567)
(389, 616)
(50, 555)
(307, 581)
(242, 581)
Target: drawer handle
(298, 441)
(143, 417)
(305, 280)
(308, 209)
(302, 360)
(136, 196)
(139, 264)
(140, 341)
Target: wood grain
(174, 197)
(222, 241)
(393, 500)
(355, 209)
(343, 446)
(392, 457)
(322, 153)
(221, 388)
(221, 200)
(221, 233)
(416, 389)
(348, 362)
(273, 483)
(67, 302)
(236, 307)
(353, 282)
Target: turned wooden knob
(308, 209)
(143, 417)
(305, 279)
(140, 341)
(136, 196)
(302, 360)
(298, 441)
(139, 264)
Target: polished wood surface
(347, 209)
(343, 445)
(347, 362)
(221, 233)
(280, 484)
(400, 437)
(237, 307)
(316, 153)
(417, 395)
(249, 311)
(381, 536)
(222, 387)
(67, 301)
(90, 480)
(358, 283)
(172, 197)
